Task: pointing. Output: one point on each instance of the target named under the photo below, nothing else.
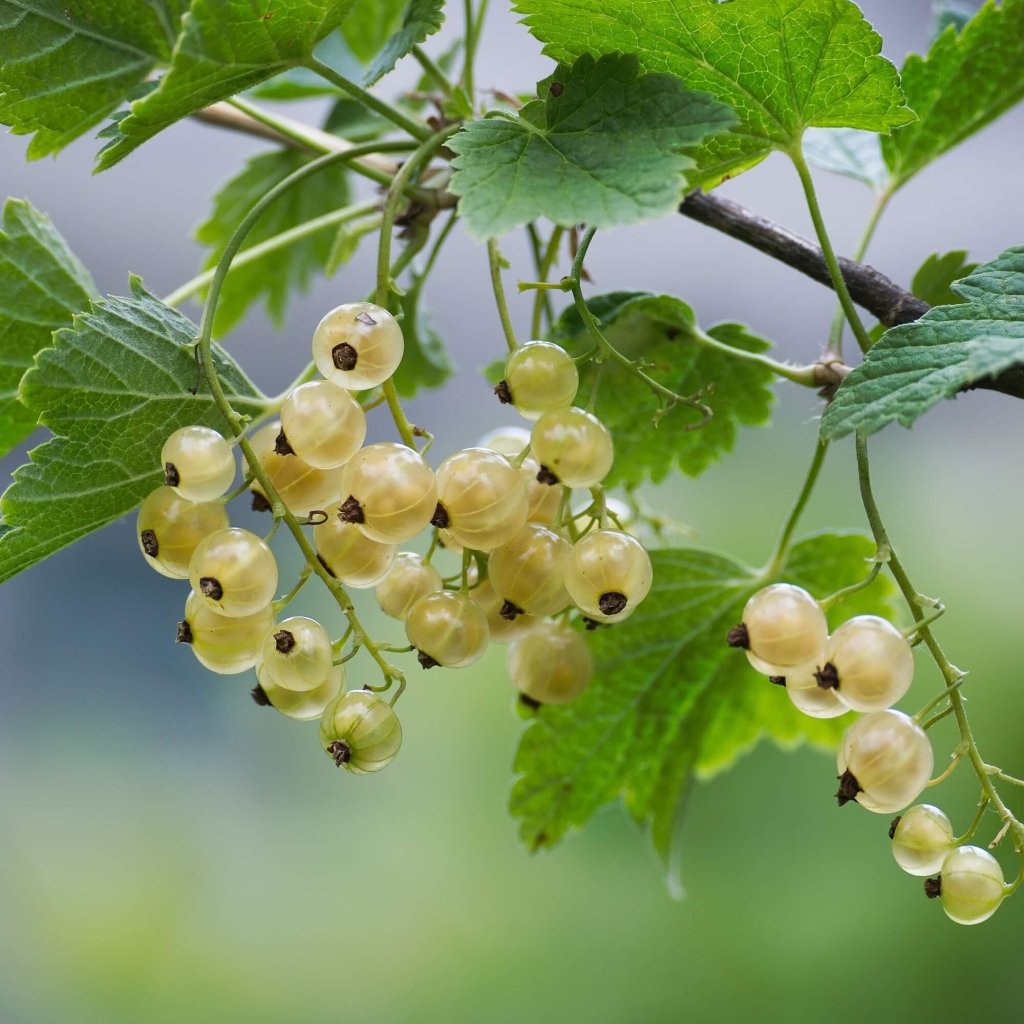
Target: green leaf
(966, 81)
(273, 277)
(225, 47)
(849, 152)
(370, 25)
(782, 65)
(426, 363)
(916, 365)
(602, 145)
(421, 20)
(66, 64)
(662, 331)
(670, 701)
(304, 83)
(946, 13)
(42, 285)
(112, 388)
(935, 277)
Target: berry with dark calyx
(408, 579)
(223, 644)
(782, 626)
(351, 556)
(540, 377)
(802, 687)
(170, 529)
(971, 885)
(360, 732)
(550, 663)
(198, 463)
(528, 572)
(921, 839)
(572, 446)
(505, 622)
(357, 346)
(296, 701)
(259, 696)
(297, 654)
(234, 572)
(868, 662)
(608, 573)
(324, 424)
(448, 629)
(502, 392)
(301, 487)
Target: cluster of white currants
(885, 759)
(506, 506)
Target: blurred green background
(171, 852)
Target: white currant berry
(408, 579)
(297, 654)
(550, 664)
(921, 839)
(351, 556)
(302, 488)
(539, 377)
(233, 572)
(170, 528)
(388, 491)
(502, 629)
(885, 761)
(801, 683)
(868, 662)
(322, 424)
(528, 572)
(573, 447)
(481, 499)
(302, 704)
(507, 440)
(224, 645)
(198, 463)
(971, 885)
(782, 626)
(360, 731)
(358, 345)
(543, 501)
(448, 629)
(608, 574)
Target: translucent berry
(297, 703)
(802, 687)
(302, 488)
(408, 579)
(885, 761)
(507, 440)
(322, 424)
(358, 345)
(528, 571)
(198, 463)
(233, 572)
(389, 491)
(782, 626)
(543, 500)
(540, 377)
(350, 555)
(868, 662)
(297, 653)
(224, 645)
(447, 629)
(170, 529)
(360, 731)
(503, 630)
(481, 499)
(921, 839)
(608, 574)
(551, 663)
(972, 885)
(573, 447)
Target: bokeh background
(171, 852)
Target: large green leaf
(670, 701)
(967, 79)
(386, 30)
(275, 276)
(916, 365)
(602, 144)
(66, 64)
(662, 332)
(42, 285)
(112, 388)
(782, 65)
(225, 47)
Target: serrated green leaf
(304, 83)
(602, 144)
(849, 152)
(670, 701)
(112, 388)
(916, 365)
(271, 278)
(946, 13)
(661, 331)
(782, 65)
(935, 277)
(422, 18)
(965, 81)
(42, 285)
(370, 25)
(66, 64)
(225, 47)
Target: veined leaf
(934, 279)
(422, 18)
(66, 64)
(273, 277)
(849, 152)
(602, 144)
(225, 47)
(782, 65)
(370, 25)
(670, 701)
(916, 365)
(42, 285)
(112, 388)
(967, 79)
(661, 331)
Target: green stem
(950, 674)
(495, 260)
(283, 602)
(838, 282)
(782, 546)
(973, 827)
(808, 376)
(433, 71)
(545, 263)
(411, 126)
(471, 35)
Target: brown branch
(221, 115)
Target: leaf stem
(432, 70)
(545, 262)
(496, 261)
(782, 546)
(810, 376)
